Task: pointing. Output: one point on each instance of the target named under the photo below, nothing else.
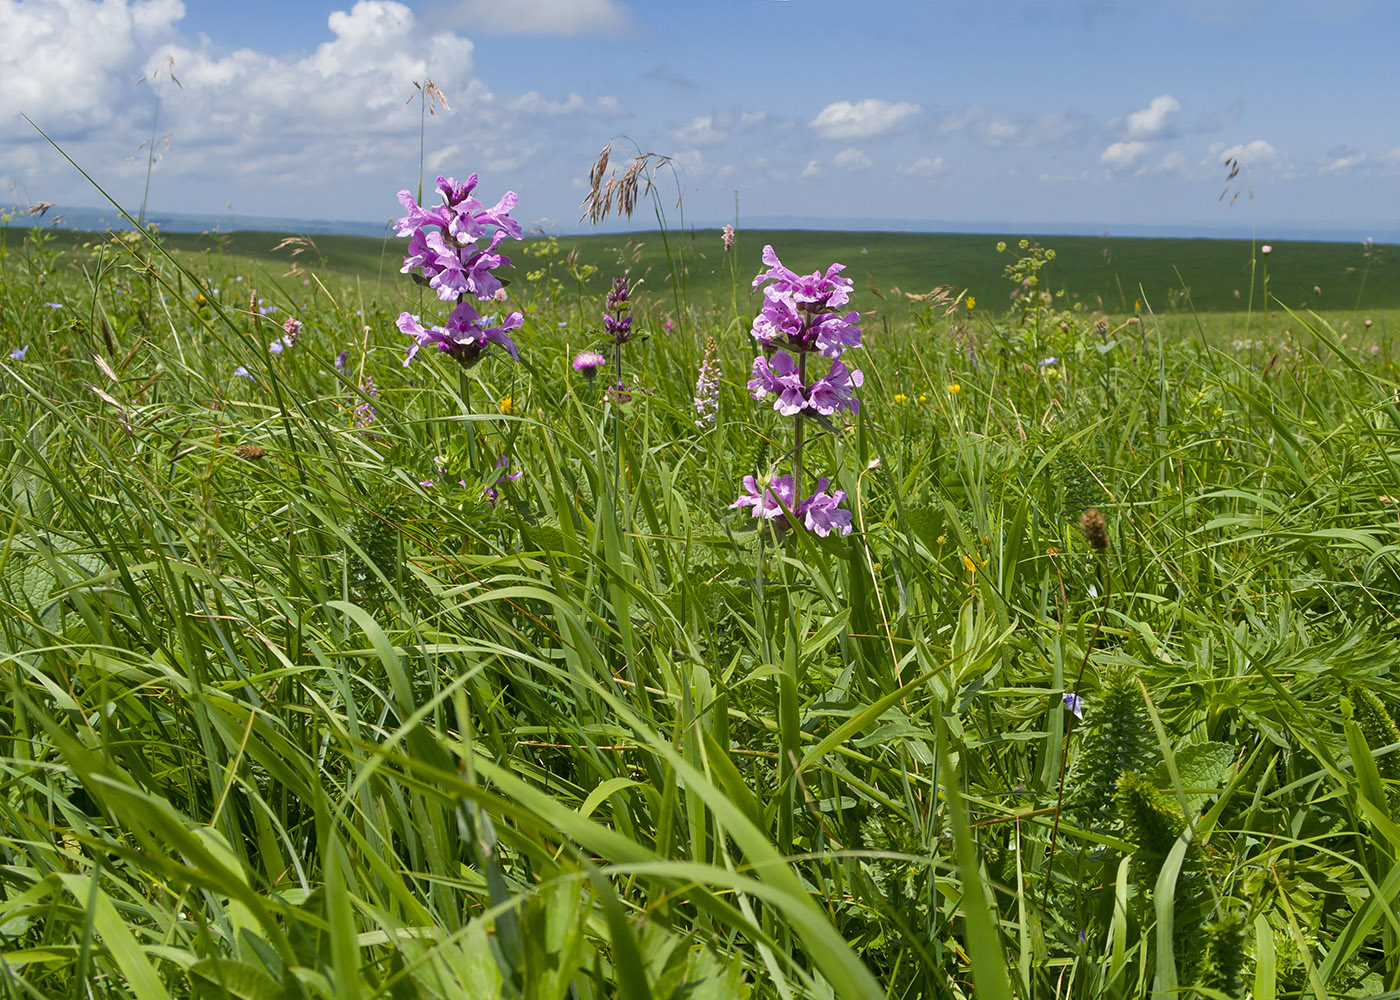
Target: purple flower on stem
(340, 359)
(54, 305)
(1074, 703)
(797, 308)
(619, 297)
(820, 513)
(779, 377)
(769, 500)
(623, 393)
(240, 371)
(618, 329)
(465, 337)
(587, 363)
(292, 328)
(460, 215)
(365, 413)
(706, 397)
(490, 493)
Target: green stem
(464, 390)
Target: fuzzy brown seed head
(1094, 528)
(251, 452)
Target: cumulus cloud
(531, 103)
(306, 133)
(845, 120)
(1123, 155)
(1173, 163)
(62, 60)
(1343, 162)
(709, 130)
(851, 158)
(811, 169)
(1153, 120)
(531, 17)
(998, 129)
(1253, 153)
(924, 166)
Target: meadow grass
(1168, 276)
(294, 711)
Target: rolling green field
(327, 676)
(1108, 274)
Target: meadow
(333, 676)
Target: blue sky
(1103, 114)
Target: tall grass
(293, 711)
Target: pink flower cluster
(801, 316)
(452, 263)
(820, 513)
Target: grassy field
(305, 697)
(1116, 275)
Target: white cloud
(851, 158)
(924, 166)
(811, 169)
(1343, 162)
(1254, 153)
(1173, 163)
(998, 129)
(699, 131)
(1123, 155)
(531, 17)
(1152, 121)
(531, 103)
(708, 130)
(63, 60)
(844, 120)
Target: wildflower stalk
(1092, 524)
(797, 433)
(464, 390)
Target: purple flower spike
(779, 377)
(821, 512)
(465, 337)
(810, 292)
(835, 391)
(619, 330)
(770, 500)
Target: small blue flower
(18, 353)
(1075, 704)
(54, 305)
(242, 372)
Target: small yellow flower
(971, 302)
(955, 388)
(900, 398)
(970, 563)
(923, 399)
(507, 405)
(942, 539)
(1001, 246)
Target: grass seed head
(1094, 528)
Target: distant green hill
(1108, 273)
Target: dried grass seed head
(1094, 528)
